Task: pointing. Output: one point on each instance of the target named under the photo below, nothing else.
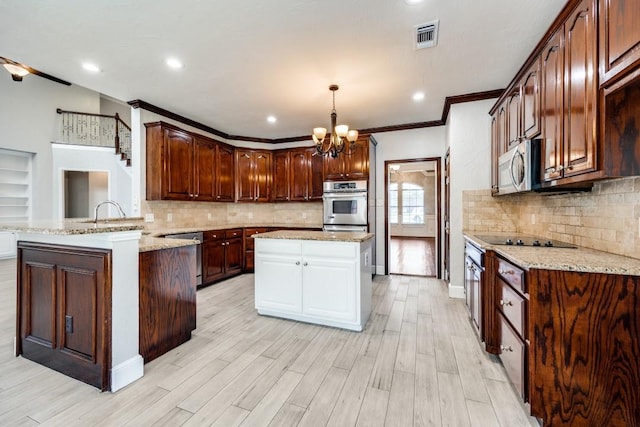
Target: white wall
(28, 120)
(401, 145)
(91, 159)
(469, 139)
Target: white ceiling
(247, 59)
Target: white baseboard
(127, 372)
(456, 291)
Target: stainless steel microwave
(519, 168)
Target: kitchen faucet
(110, 202)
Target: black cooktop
(524, 240)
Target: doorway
(83, 191)
(412, 217)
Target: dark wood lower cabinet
(222, 254)
(64, 310)
(167, 299)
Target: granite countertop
(66, 227)
(570, 259)
(149, 243)
(328, 236)
(193, 229)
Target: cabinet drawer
(513, 306)
(213, 234)
(513, 356)
(249, 242)
(511, 274)
(234, 232)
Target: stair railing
(98, 130)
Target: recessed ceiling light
(272, 119)
(92, 68)
(174, 63)
(412, 2)
(418, 96)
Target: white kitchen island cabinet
(314, 277)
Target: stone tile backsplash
(606, 219)
(170, 214)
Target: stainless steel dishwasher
(192, 236)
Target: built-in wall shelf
(15, 185)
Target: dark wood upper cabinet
(581, 90)
(300, 175)
(254, 175)
(619, 38)
(514, 135)
(552, 72)
(350, 164)
(281, 177)
(530, 106)
(297, 175)
(185, 166)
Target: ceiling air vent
(426, 35)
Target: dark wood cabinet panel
(513, 118)
(222, 254)
(495, 152)
(580, 90)
(167, 280)
(254, 175)
(213, 260)
(205, 170)
(316, 177)
(530, 92)
(281, 176)
(226, 174)
(585, 348)
(249, 245)
(234, 256)
(178, 165)
(300, 175)
(619, 38)
(552, 70)
(64, 310)
(350, 164)
(181, 165)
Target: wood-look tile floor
(418, 363)
(412, 256)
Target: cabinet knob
(305, 264)
(506, 348)
(297, 262)
(505, 303)
(501, 271)
(217, 197)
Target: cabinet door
(316, 177)
(225, 184)
(513, 118)
(263, 176)
(329, 288)
(619, 37)
(503, 142)
(495, 152)
(580, 90)
(278, 284)
(281, 176)
(234, 256)
(476, 305)
(205, 170)
(552, 72)
(178, 165)
(333, 167)
(356, 162)
(213, 261)
(64, 310)
(531, 101)
(468, 287)
(245, 176)
(300, 175)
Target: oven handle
(362, 195)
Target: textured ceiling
(247, 59)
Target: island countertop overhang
(327, 236)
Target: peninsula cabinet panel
(619, 38)
(585, 348)
(167, 293)
(64, 310)
(581, 91)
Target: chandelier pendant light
(337, 136)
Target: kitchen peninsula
(79, 297)
(314, 276)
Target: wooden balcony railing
(98, 130)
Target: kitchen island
(78, 301)
(314, 276)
